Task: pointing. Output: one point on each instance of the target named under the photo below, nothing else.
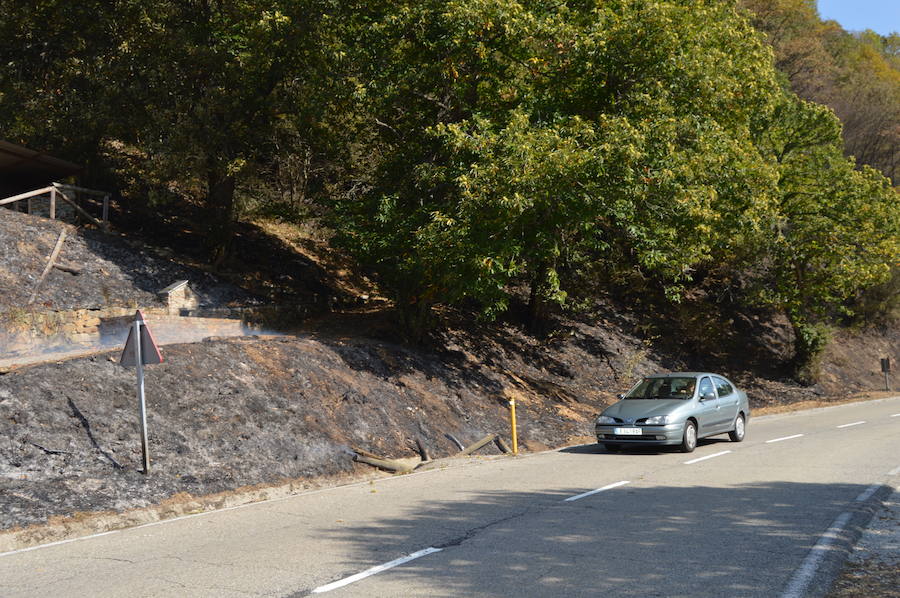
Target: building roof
(173, 287)
(23, 163)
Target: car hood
(637, 408)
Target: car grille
(632, 438)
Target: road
(730, 519)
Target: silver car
(675, 409)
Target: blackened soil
(232, 413)
(112, 271)
(228, 414)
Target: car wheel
(740, 428)
(689, 440)
(612, 447)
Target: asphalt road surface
(757, 518)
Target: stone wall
(34, 336)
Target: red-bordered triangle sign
(149, 350)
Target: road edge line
(825, 560)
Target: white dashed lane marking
(605, 488)
(706, 457)
(853, 424)
(374, 570)
(784, 438)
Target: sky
(882, 16)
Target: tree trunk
(415, 319)
(537, 303)
(220, 216)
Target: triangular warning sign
(149, 350)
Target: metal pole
(53, 204)
(512, 425)
(105, 208)
(142, 410)
(887, 381)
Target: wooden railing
(63, 192)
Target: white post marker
(140, 350)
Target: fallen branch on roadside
(50, 451)
(478, 444)
(395, 465)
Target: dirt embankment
(228, 414)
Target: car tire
(613, 448)
(689, 438)
(740, 429)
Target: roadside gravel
(873, 569)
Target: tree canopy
(477, 151)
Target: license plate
(627, 431)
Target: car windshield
(663, 388)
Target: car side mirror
(708, 396)
(620, 396)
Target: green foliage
(519, 140)
(199, 90)
(810, 342)
(474, 150)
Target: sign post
(512, 424)
(886, 368)
(140, 350)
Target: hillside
(256, 411)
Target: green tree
(836, 228)
(516, 136)
(208, 85)
(199, 89)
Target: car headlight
(657, 420)
(605, 419)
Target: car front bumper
(668, 434)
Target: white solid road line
(867, 493)
(784, 438)
(58, 542)
(853, 424)
(370, 572)
(706, 457)
(608, 487)
(796, 588)
(896, 415)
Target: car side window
(706, 386)
(723, 387)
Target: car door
(728, 403)
(707, 412)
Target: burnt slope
(114, 272)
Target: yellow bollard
(512, 423)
